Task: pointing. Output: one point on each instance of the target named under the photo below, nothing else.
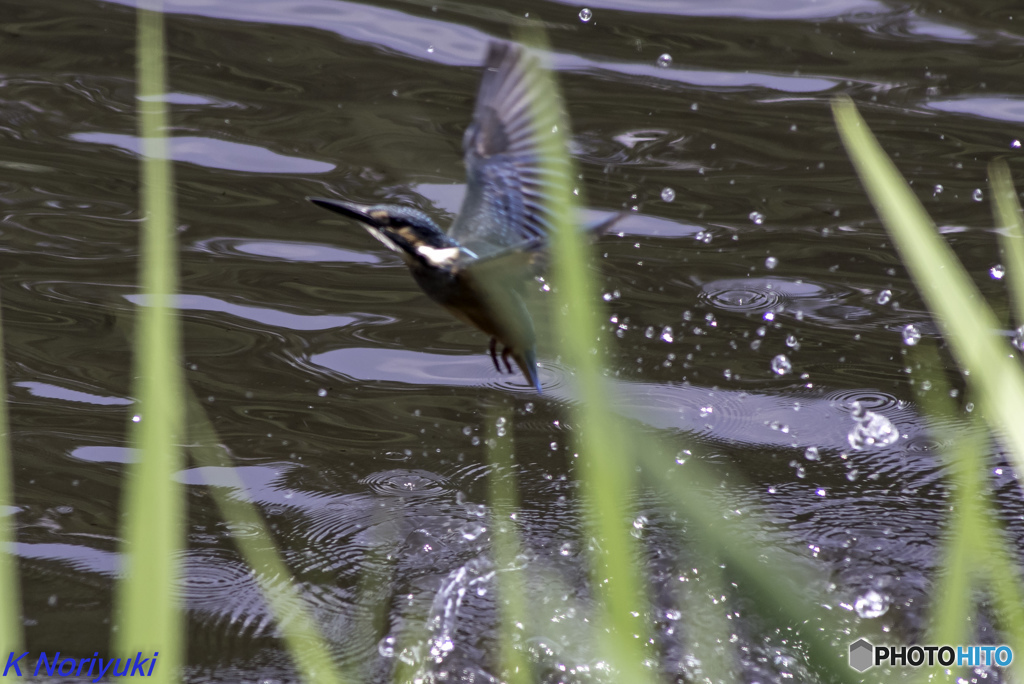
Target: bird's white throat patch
(443, 256)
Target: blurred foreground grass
(991, 367)
(149, 618)
(149, 613)
(10, 592)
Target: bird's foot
(494, 354)
(504, 357)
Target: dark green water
(355, 408)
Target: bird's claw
(493, 349)
(494, 354)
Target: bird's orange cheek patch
(409, 235)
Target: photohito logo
(864, 654)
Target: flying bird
(479, 268)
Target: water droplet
(1018, 338)
(666, 334)
(586, 15)
(473, 531)
(871, 605)
(911, 335)
(136, 418)
(430, 48)
(884, 297)
(649, 333)
(811, 454)
(977, 195)
(665, 60)
(792, 342)
(668, 194)
(565, 549)
(321, 392)
(1015, 145)
(871, 429)
(997, 272)
(938, 190)
(757, 217)
(781, 365)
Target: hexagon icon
(861, 655)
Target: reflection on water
(356, 410)
(215, 154)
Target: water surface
(356, 410)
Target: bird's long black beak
(359, 212)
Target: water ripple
(284, 250)
(424, 368)
(816, 301)
(214, 153)
(407, 483)
(264, 315)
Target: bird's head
(405, 230)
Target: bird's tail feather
(527, 362)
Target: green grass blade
(608, 474)
(1011, 238)
(513, 618)
(10, 594)
(967, 323)
(308, 649)
(951, 616)
(764, 573)
(953, 613)
(1005, 581)
(707, 629)
(149, 615)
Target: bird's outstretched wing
(505, 204)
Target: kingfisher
(479, 268)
